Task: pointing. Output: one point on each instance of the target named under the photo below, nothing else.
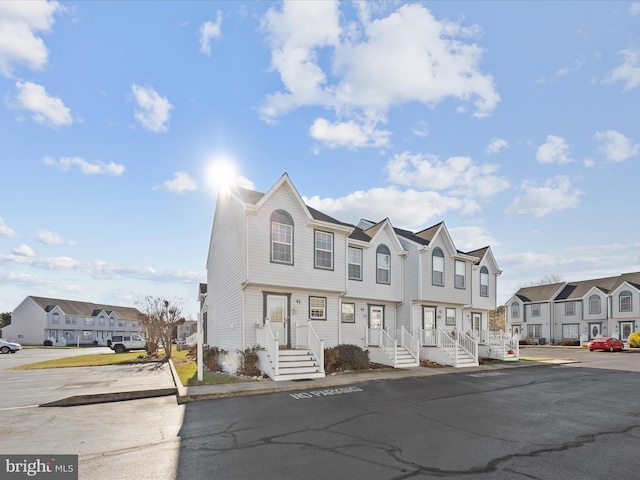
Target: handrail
(467, 343)
(409, 342)
(270, 342)
(389, 344)
(316, 345)
(429, 337)
(447, 342)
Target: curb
(109, 397)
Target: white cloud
(496, 145)
(210, 31)
(6, 231)
(97, 168)
(422, 130)
(471, 237)
(408, 56)
(459, 175)
(153, 111)
(20, 24)
(408, 208)
(616, 147)
(589, 162)
(556, 194)
(348, 134)
(181, 183)
(24, 250)
(47, 110)
(629, 71)
(555, 150)
(634, 9)
(51, 238)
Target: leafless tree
(159, 319)
(497, 319)
(545, 280)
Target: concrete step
(297, 363)
(291, 352)
(297, 370)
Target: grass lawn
(91, 360)
(187, 370)
(535, 359)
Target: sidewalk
(209, 392)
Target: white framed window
(383, 264)
(122, 323)
(317, 308)
(348, 313)
(460, 274)
(89, 320)
(437, 258)
(324, 250)
(484, 282)
(594, 304)
(535, 310)
(534, 331)
(515, 310)
(451, 316)
(569, 309)
(101, 320)
(112, 321)
(625, 301)
(69, 335)
(355, 263)
(570, 331)
(281, 237)
(55, 317)
(87, 335)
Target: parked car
(6, 347)
(605, 343)
(124, 343)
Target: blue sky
(515, 123)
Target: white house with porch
(292, 280)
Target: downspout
(246, 276)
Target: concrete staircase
(297, 365)
(404, 359)
(464, 359)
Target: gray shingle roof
(86, 309)
(539, 293)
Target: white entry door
(595, 329)
(376, 324)
(476, 321)
(277, 316)
(626, 329)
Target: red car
(606, 343)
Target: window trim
(324, 308)
(484, 271)
(456, 275)
(592, 311)
(535, 313)
(577, 327)
(567, 312)
(535, 326)
(353, 305)
(437, 252)
(446, 317)
(281, 217)
(625, 294)
(383, 250)
(55, 318)
(316, 249)
(515, 310)
(350, 263)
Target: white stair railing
(467, 344)
(390, 345)
(408, 342)
(429, 337)
(316, 345)
(270, 342)
(447, 342)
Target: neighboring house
(577, 311)
(68, 322)
(293, 280)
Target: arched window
(281, 237)
(625, 301)
(55, 317)
(515, 310)
(383, 264)
(438, 266)
(484, 282)
(101, 320)
(594, 304)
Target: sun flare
(221, 173)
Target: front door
(626, 329)
(278, 317)
(476, 321)
(595, 329)
(376, 323)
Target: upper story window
(535, 310)
(89, 320)
(101, 320)
(625, 301)
(438, 266)
(383, 264)
(594, 304)
(515, 310)
(355, 263)
(324, 250)
(55, 317)
(461, 272)
(111, 321)
(281, 237)
(570, 308)
(484, 282)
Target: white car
(124, 343)
(6, 347)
